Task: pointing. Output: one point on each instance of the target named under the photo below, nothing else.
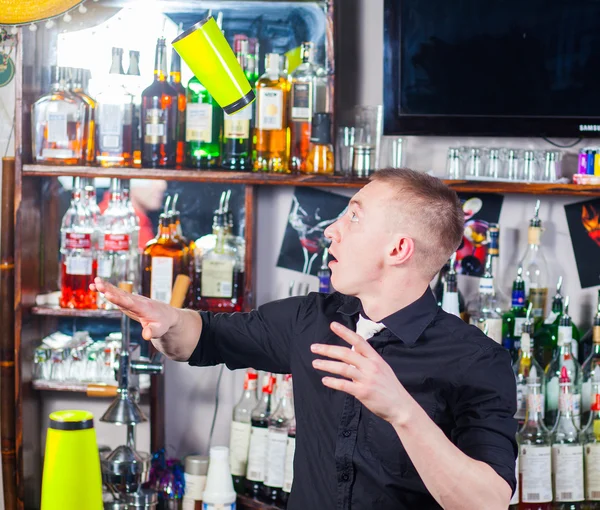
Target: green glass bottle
(513, 320)
(203, 128)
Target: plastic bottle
(219, 493)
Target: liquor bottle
(567, 451)
(591, 371)
(319, 159)
(175, 81)
(535, 451)
(163, 259)
(513, 320)
(439, 289)
(535, 268)
(450, 297)
(524, 365)
(159, 116)
(89, 126)
(114, 255)
(237, 128)
(563, 358)
(303, 95)
(484, 314)
(239, 441)
(288, 472)
(188, 246)
(91, 203)
(503, 302)
(134, 250)
(203, 127)
(324, 274)
(590, 437)
(255, 474)
(271, 124)
(78, 258)
(586, 344)
(133, 85)
(58, 124)
(114, 144)
(221, 272)
(546, 336)
(277, 439)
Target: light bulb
(50, 23)
(14, 30)
(82, 9)
(33, 27)
(67, 18)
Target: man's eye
(353, 217)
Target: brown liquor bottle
(175, 82)
(159, 116)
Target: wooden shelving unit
(54, 311)
(246, 503)
(263, 179)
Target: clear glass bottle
(271, 132)
(563, 358)
(89, 128)
(451, 296)
(259, 432)
(78, 257)
(484, 314)
(440, 286)
(175, 82)
(239, 441)
(567, 451)
(535, 267)
(590, 438)
(324, 274)
(114, 253)
(546, 335)
(288, 472)
(503, 302)
(134, 251)
(535, 452)
(204, 127)
(114, 144)
(591, 371)
(133, 84)
(277, 439)
(90, 201)
(159, 116)
(58, 124)
(319, 159)
(513, 319)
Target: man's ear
(401, 250)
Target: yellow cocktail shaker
(205, 50)
(72, 479)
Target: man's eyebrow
(357, 203)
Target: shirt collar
(407, 323)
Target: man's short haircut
(430, 210)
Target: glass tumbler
(344, 148)
(454, 164)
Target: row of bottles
(106, 245)
(172, 126)
(263, 439)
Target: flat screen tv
(492, 67)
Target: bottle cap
(596, 403)
(219, 453)
(321, 128)
(196, 465)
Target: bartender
(399, 405)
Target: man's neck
(385, 302)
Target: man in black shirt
(399, 405)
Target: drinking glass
(369, 123)
(344, 150)
(551, 166)
(531, 172)
(494, 164)
(474, 167)
(454, 164)
(392, 152)
(513, 165)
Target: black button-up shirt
(346, 457)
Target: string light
(14, 30)
(82, 9)
(33, 27)
(67, 18)
(49, 24)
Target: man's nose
(333, 232)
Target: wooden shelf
(71, 312)
(247, 503)
(251, 178)
(66, 387)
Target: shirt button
(347, 433)
(345, 477)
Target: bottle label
(552, 316)
(217, 278)
(567, 465)
(238, 129)
(288, 472)
(116, 242)
(596, 334)
(78, 266)
(565, 402)
(519, 321)
(521, 401)
(276, 450)
(536, 473)
(535, 401)
(218, 506)
(565, 335)
(518, 298)
(302, 102)
(525, 343)
(494, 329)
(486, 286)
(75, 241)
(105, 267)
(110, 126)
(592, 471)
(324, 283)
(515, 499)
(239, 443)
(198, 122)
(161, 282)
(257, 454)
(537, 297)
(57, 127)
(270, 111)
(194, 486)
(156, 131)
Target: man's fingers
(358, 342)
(340, 384)
(336, 367)
(340, 353)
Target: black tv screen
(492, 67)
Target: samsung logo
(589, 127)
